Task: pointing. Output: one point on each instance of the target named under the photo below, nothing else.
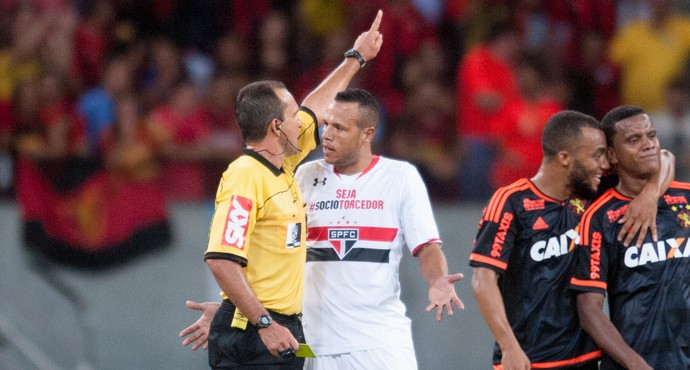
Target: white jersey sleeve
(416, 215)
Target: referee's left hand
(197, 333)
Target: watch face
(263, 321)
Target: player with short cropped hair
(362, 209)
(647, 284)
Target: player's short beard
(579, 182)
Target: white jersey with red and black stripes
(357, 227)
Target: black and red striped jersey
(527, 237)
(648, 286)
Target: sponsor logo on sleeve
(237, 222)
(500, 238)
(595, 256)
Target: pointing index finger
(377, 21)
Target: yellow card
(239, 321)
(305, 351)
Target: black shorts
(232, 348)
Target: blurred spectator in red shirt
(225, 141)
(332, 47)
(91, 42)
(572, 21)
(186, 130)
(244, 16)
(404, 29)
(50, 136)
(519, 126)
(47, 126)
(486, 82)
(65, 129)
(131, 147)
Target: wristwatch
(263, 321)
(353, 53)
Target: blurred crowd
(145, 89)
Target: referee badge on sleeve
(293, 239)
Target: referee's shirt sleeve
(234, 217)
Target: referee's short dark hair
(370, 111)
(257, 105)
(615, 115)
(563, 131)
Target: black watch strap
(353, 53)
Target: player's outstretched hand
(369, 43)
(442, 295)
(639, 218)
(197, 333)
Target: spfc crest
(343, 240)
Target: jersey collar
(371, 165)
(541, 195)
(276, 171)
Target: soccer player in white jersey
(361, 210)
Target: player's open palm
(442, 295)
